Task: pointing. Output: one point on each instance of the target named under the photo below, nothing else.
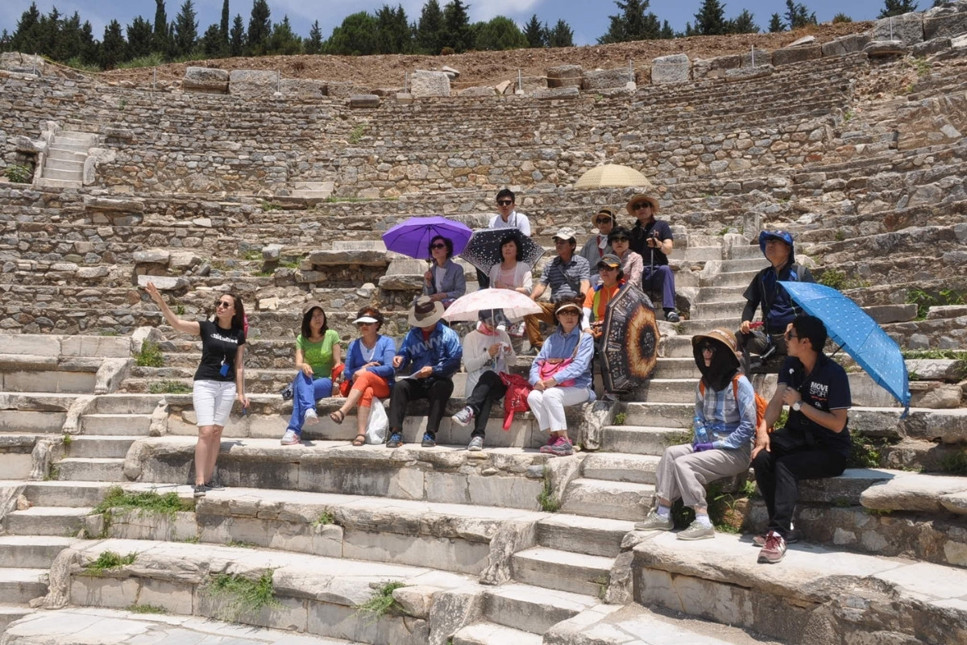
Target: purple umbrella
(413, 236)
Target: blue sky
(588, 18)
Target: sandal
(337, 416)
(359, 440)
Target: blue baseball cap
(785, 236)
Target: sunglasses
(641, 205)
(223, 303)
(622, 240)
(438, 246)
(602, 220)
(708, 347)
(606, 268)
(504, 202)
(790, 336)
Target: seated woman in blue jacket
(369, 368)
(444, 280)
(433, 352)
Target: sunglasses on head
(641, 205)
(438, 245)
(504, 202)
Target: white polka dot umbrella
(858, 334)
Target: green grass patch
(833, 278)
(325, 519)
(109, 560)
(620, 418)
(18, 174)
(150, 355)
(926, 299)
(153, 59)
(866, 452)
(546, 499)
(145, 501)
(268, 207)
(78, 64)
(240, 544)
(955, 463)
(239, 595)
(382, 601)
(146, 609)
(168, 387)
(53, 474)
(357, 133)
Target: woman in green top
(317, 351)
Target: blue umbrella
(413, 236)
(858, 334)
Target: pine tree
(139, 38)
(113, 46)
(161, 36)
(186, 30)
(394, 34)
(744, 23)
(561, 35)
(259, 28)
(283, 40)
(456, 26)
(429, 28)
(236, 37)
(535, 33)
(314, 44)
(211, 43)
(775, 24)
(632, 23)
(710, 19)
(356, 36)
(498, 34)
(223, 24)
(897, 8)
(26, 38)
(797, 15)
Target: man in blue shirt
(815, 441)
(433, 352)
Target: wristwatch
(797, 406)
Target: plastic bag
(378, 423)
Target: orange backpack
(760, 403)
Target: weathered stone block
(602, 79)
(564, 76)
(205, 79)
(788, 55)
(480, 90)
(930, 47)
(675, 68)
(559, 93)
(425, 84)
(944, 22)
(715, 67)
(756, 57)
(304, 88)
(250, 83)
(363, 101)
(22, 63)
(880, 48)
(845, 45)
(530, 84)
(340, 89)
(906, 28)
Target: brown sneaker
(774, 549)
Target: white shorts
(213, 402)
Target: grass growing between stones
(146, 609)
(238, 595)
(325, 519)
(109, 560)
(168, 387)
(150, 355)
(146, 501)
(546, 499)
(382, 602)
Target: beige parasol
(612, 176)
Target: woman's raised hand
(153, 292)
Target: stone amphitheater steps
(532, 609)
(485, 633)
(21, 585)
(59, 521)
(31, 551)
(582, 534)
(562, 570)
(616, 500)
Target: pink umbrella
(513, 303)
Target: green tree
(456, 26)
(897, 8)
(744, 23)
(70, 44)
(186, 30)
(283, 40)
(797, 15)
(113, 46)
(535, 32)
(429, 29)
(841, 17)
(223, 24)
(710, 19)
(356, 36)
(139, 37)
(498, 34)
(161, 35)
(775, 24)
(236, 37)
(394, 34)
(26, 38)
(632, 23)
(259, 28)
(560, 35)
(211, 42)
(314, 44)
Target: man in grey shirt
(568, 276)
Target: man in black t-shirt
(652, 239)
(815, 441)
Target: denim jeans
(306, 390)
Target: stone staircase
(64, 165)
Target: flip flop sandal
(337, 416)
(359, 440)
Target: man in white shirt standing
(506, 217)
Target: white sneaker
(310, 418)
(290, 438)
(463, 417)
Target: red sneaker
(774, 549)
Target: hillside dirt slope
(490, 68)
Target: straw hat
(642, 198)
(425, 312)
